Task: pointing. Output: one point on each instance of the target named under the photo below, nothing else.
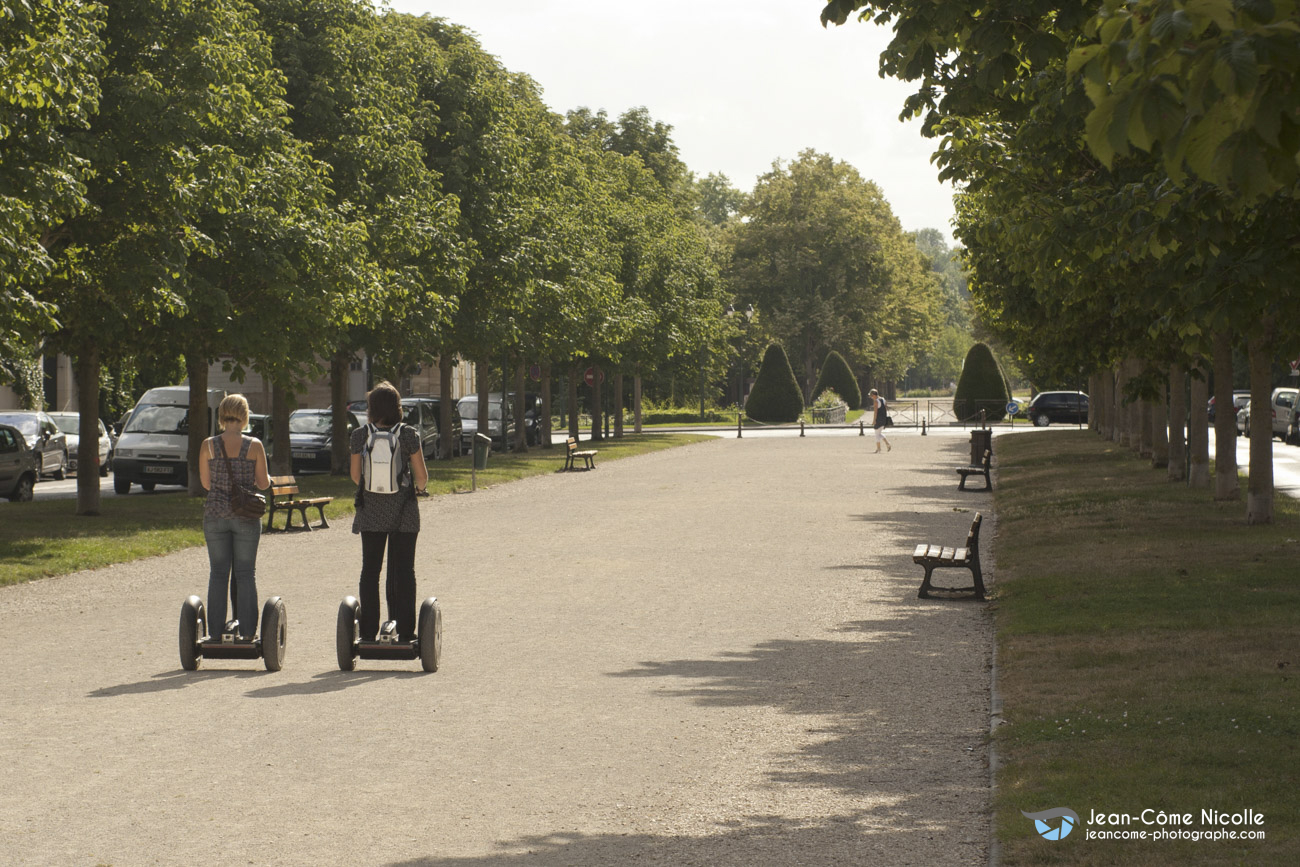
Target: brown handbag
(244, 501)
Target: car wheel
(22, 492)
(1041, 420)
(62, 472)
(103, 469)
(146, 486)
(121, 486)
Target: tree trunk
(483, 425)
(1112, 405)
(446, 407)
(1160, 430)
(1121, 408)
(1094, 410)
(340, 456)
(1177, 423)
(618, 406)
(521, 428)
(1198, 430)
(1226, 484)
(282, 461)
(87, 366)
(544, 423)
(1144, 414)
(597, 405)
(573, 402)
(1259, 485)
(197, 372)
(636, 402)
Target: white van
(154, 446)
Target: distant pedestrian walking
(880, 420)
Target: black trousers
(400, 587)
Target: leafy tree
(51, 55)
(719, 200)
(981, 387)
(776, 396)
(836, 376)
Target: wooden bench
(981, 470)
(571, 454)
(938, 557)
(284, 498)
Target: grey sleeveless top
(244, 469)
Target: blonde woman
(225, 460)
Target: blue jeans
(232, 548)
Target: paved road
(707, 656)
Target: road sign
(589, 376)
(1013, 408)
(535, 373)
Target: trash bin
(981, 438)
(482, 446)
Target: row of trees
(280, 184)
(1127, 188)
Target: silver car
(43, 437)
(70, 424)
(17, 465)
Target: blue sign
(1013, 408)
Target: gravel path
(707, 656)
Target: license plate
(303, 455)
(158, 471)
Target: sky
(742, 82)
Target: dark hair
(384, 405)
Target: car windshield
(311, 423)
(25, 423)
(468, 410)
(159, 418)
(68, 422)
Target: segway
(426, 646)
(196, 644)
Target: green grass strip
(46, 538)
(1149, 657)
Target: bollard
(922, 427)
(862, 431)
(800, 427)
(739, 435)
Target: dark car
(1240, 397)
(1069, 407)
(311, 438)
(425, 415)
(17, 465)
(43, 437)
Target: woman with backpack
(388, 467)
(880, 420)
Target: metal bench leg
(924, 592)
(324, 523)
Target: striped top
(244, 469)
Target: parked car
(425, 415)
(70, 424)
(18, 472)
(259, 428)
(311, 438)
(44, 438)
(1240, 396)
(1243, 419)
(467, 409)
(1283, 402)
(1058, 406)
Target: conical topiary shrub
(837, 376)
(981, 386)
(775, 396)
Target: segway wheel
(346, 636)
(430, 634)
(274, 627)
(192, 629)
